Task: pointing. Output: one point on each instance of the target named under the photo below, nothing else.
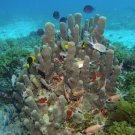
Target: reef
(11, 59)
(125, 55)
(73, 74)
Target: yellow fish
(66, 46)
(83, 45)
(30, 61)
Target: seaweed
(122, 52)
(125, 112)
(122, 120)
(129, 80)
(125, 55)
(118, 128)
(11, 42)
(11, 59)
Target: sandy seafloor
(22, 28)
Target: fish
(56, 15)
(83, 45)
(63, 54)
(88, 9)
(97, 46)
(80, 63)
(63, 19)
(13, 80)
(31, 59)
(117, 97)
(66, 95)
(40, 32)
(66, 46)
(92, 129)
(24, 95)
(68, 32)
(78, 93)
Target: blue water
(65, 7)
(120, 13)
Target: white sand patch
(17, 29)
(125, 36)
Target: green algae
(125, 112)
(118, 128)
(11, 58)
(129, 80)
(12, 42)
(121, 52)
(121, 121)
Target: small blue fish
(40, 32)
(88, 9)
(56, 15)
(63, 19)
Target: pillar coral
(49, 37)
(86, 25)
(63, 31)
(44, 110)
(72, 81)
(84, 76)
(45, 62)
(71, 23)
(78, 20)
(98, 30)
(69, 61)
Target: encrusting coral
(56, 91)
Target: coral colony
(71, 77)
